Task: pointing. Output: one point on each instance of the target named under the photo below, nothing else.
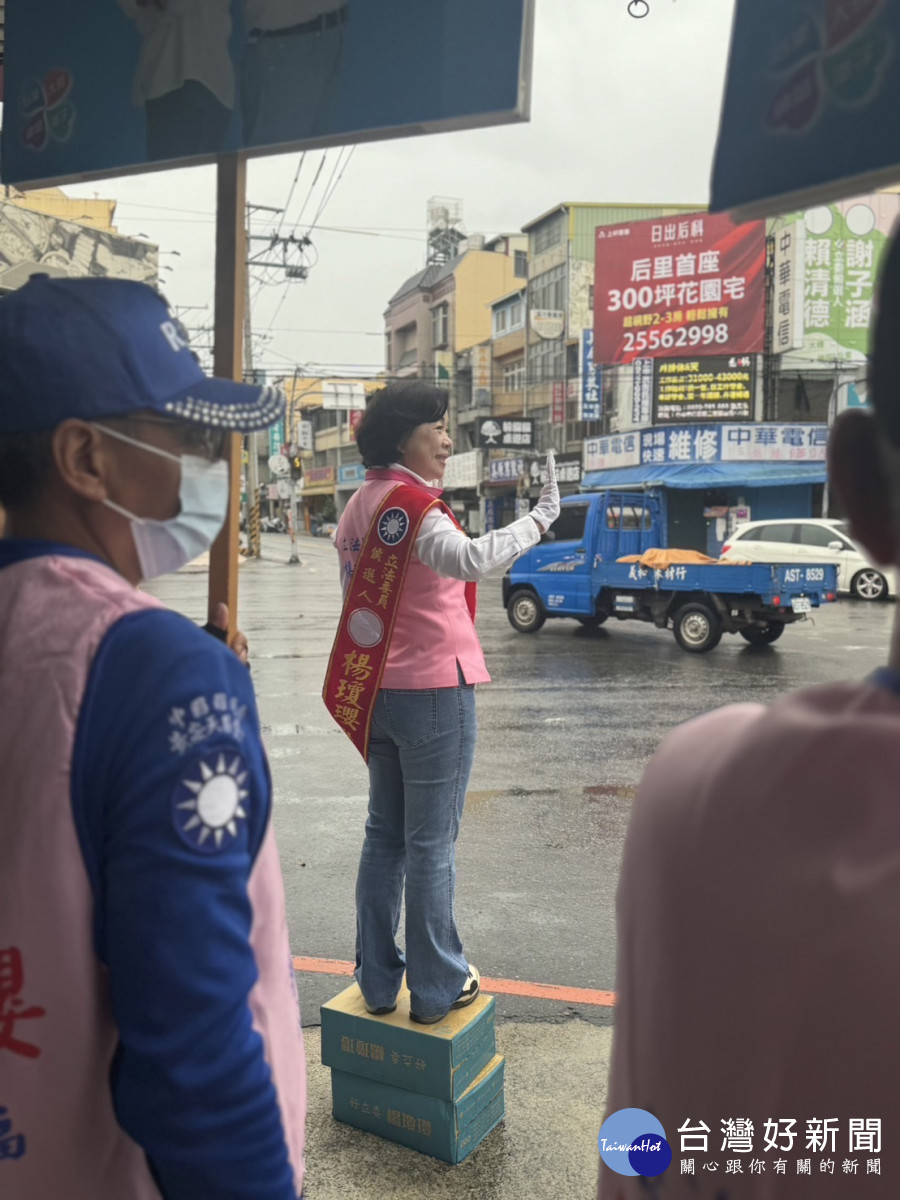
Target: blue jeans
(420, 758)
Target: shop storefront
(318, 497)
(461, 480)
(712, 476)
(349, 478)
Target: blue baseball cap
(100, 347)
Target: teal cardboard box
(442, 1128)
(437, 1060)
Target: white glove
(546, 510)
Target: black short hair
(25, 463)
(393, 413)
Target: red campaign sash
(363, 638)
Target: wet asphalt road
(566, 728)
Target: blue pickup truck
(574, 572)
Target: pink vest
(54, 612)
(433, 631)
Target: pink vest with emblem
(54, 612)
(433, 630)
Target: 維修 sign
(668, 287)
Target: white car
(813, 539)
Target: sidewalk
(556, 1046)
(546, 1149)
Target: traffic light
(296, 467)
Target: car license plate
(800, 604)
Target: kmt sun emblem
(208, 803)
(393, 526)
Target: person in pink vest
(150, 1041)
(423, 728)
(759, 908)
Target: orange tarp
(660, 560)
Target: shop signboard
(266, 76)
(568, 470)
(591, 380)
(463, 470)
(505, 470)
(789, 275)
(667, 287)
(642, 395)
(607, 453)
(558, 406)
(492, 512)
(735, 443)
(276, 438)
(344, 395)
(774, 443)
(717, 388)
(351, 474)
(319, 476)
(305, 435)
(548, 322)
(500, 434)
(810, 104)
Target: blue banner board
(591, 381)
(810, 104)
(99, 89)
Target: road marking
(505, 987)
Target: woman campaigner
(401, 684)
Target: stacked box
(436, 1088)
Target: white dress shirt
(449, 552)
(187, 39)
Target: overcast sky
(622, 110)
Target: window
(549, 289)
(818, 535)
(501, 316)
(521, 267)
(569, 525)
(770, 533)
(546, 361)
(631, 518)
(440, 322)
(516, 315)
(549, 233)
(514, 376)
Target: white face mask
(164, 546)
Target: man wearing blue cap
(150, 1041)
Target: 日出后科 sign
(668, 287)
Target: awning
(707, 475)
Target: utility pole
(294, 560)
(292, 263)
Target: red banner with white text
(676, 286)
